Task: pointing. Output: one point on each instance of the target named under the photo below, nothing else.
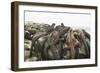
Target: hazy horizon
(76, 21)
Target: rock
(32, 59)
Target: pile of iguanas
(56, 42)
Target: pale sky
(72, 20)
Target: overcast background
(74, 20)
